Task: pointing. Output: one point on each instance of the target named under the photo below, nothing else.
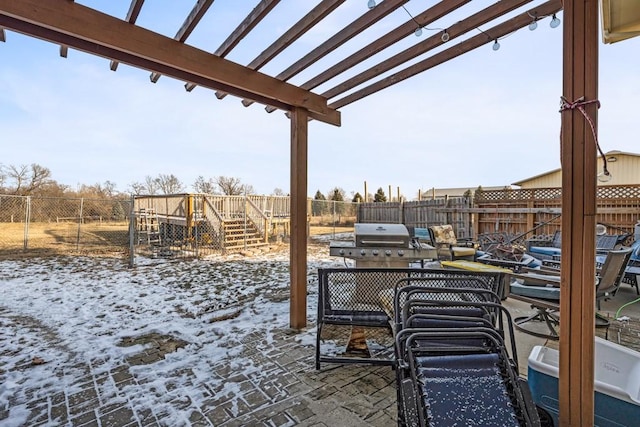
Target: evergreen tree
(357, 198)
(319, 206)
(380, 196)
(337, 195)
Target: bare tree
(277, 192)
(3, 178)
(137, 188)
(231, 186)
(206, 186)
(169, 184)
(26, 179)
(148, 187)
(106, 190)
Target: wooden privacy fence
(519, 211)
(514, 212)
(448, 210)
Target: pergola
(119, 39)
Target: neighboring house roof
(453, 192)
(607, 154)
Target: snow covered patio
(87, 341)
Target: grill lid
(386, 235)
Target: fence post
(27, 219)
(245, 219)
(79, 224)
(132, 232)
(334, 219)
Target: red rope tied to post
(579, 104)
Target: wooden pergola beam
(425, 18)
(471, 23)
(341, 37)
(317, 14)
(189, 24)
(64, 50)
(85, 29)
(579, 163)
(3, 37)
(496, 32)
(132, 15)
(257, 14)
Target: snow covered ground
(60, 315)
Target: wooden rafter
(462, 27)
(356, 27)
(188, 26)
(64, 50)
(423, 19)
(91, 31)
(316, 15)
(257, 14)
(347, 33)
(132, 17)
(487, 36)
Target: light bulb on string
(445, 36)
(418, 32)
(496, 45)
(533, 25)
(371, 4)
(605, 176)
(555, 22)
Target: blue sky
(485, 118)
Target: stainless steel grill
(383, 245)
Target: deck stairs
(148, 227)
(239, 235)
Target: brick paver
(282, 389)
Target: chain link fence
(168, 226)
(55, 226)
(331, 218)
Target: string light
(604, 176)
(445, 36)
(555, 22)
(418, 32)
(496, 45)
(534, 23)
(371, 4)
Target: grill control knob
(363, 252)
(387, 252)
(341, 252)
(400, 253)
(375, 252)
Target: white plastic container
(617, 383)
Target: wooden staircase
(235, 235)
(148, 227)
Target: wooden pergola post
(298, 246)
(578, 157)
